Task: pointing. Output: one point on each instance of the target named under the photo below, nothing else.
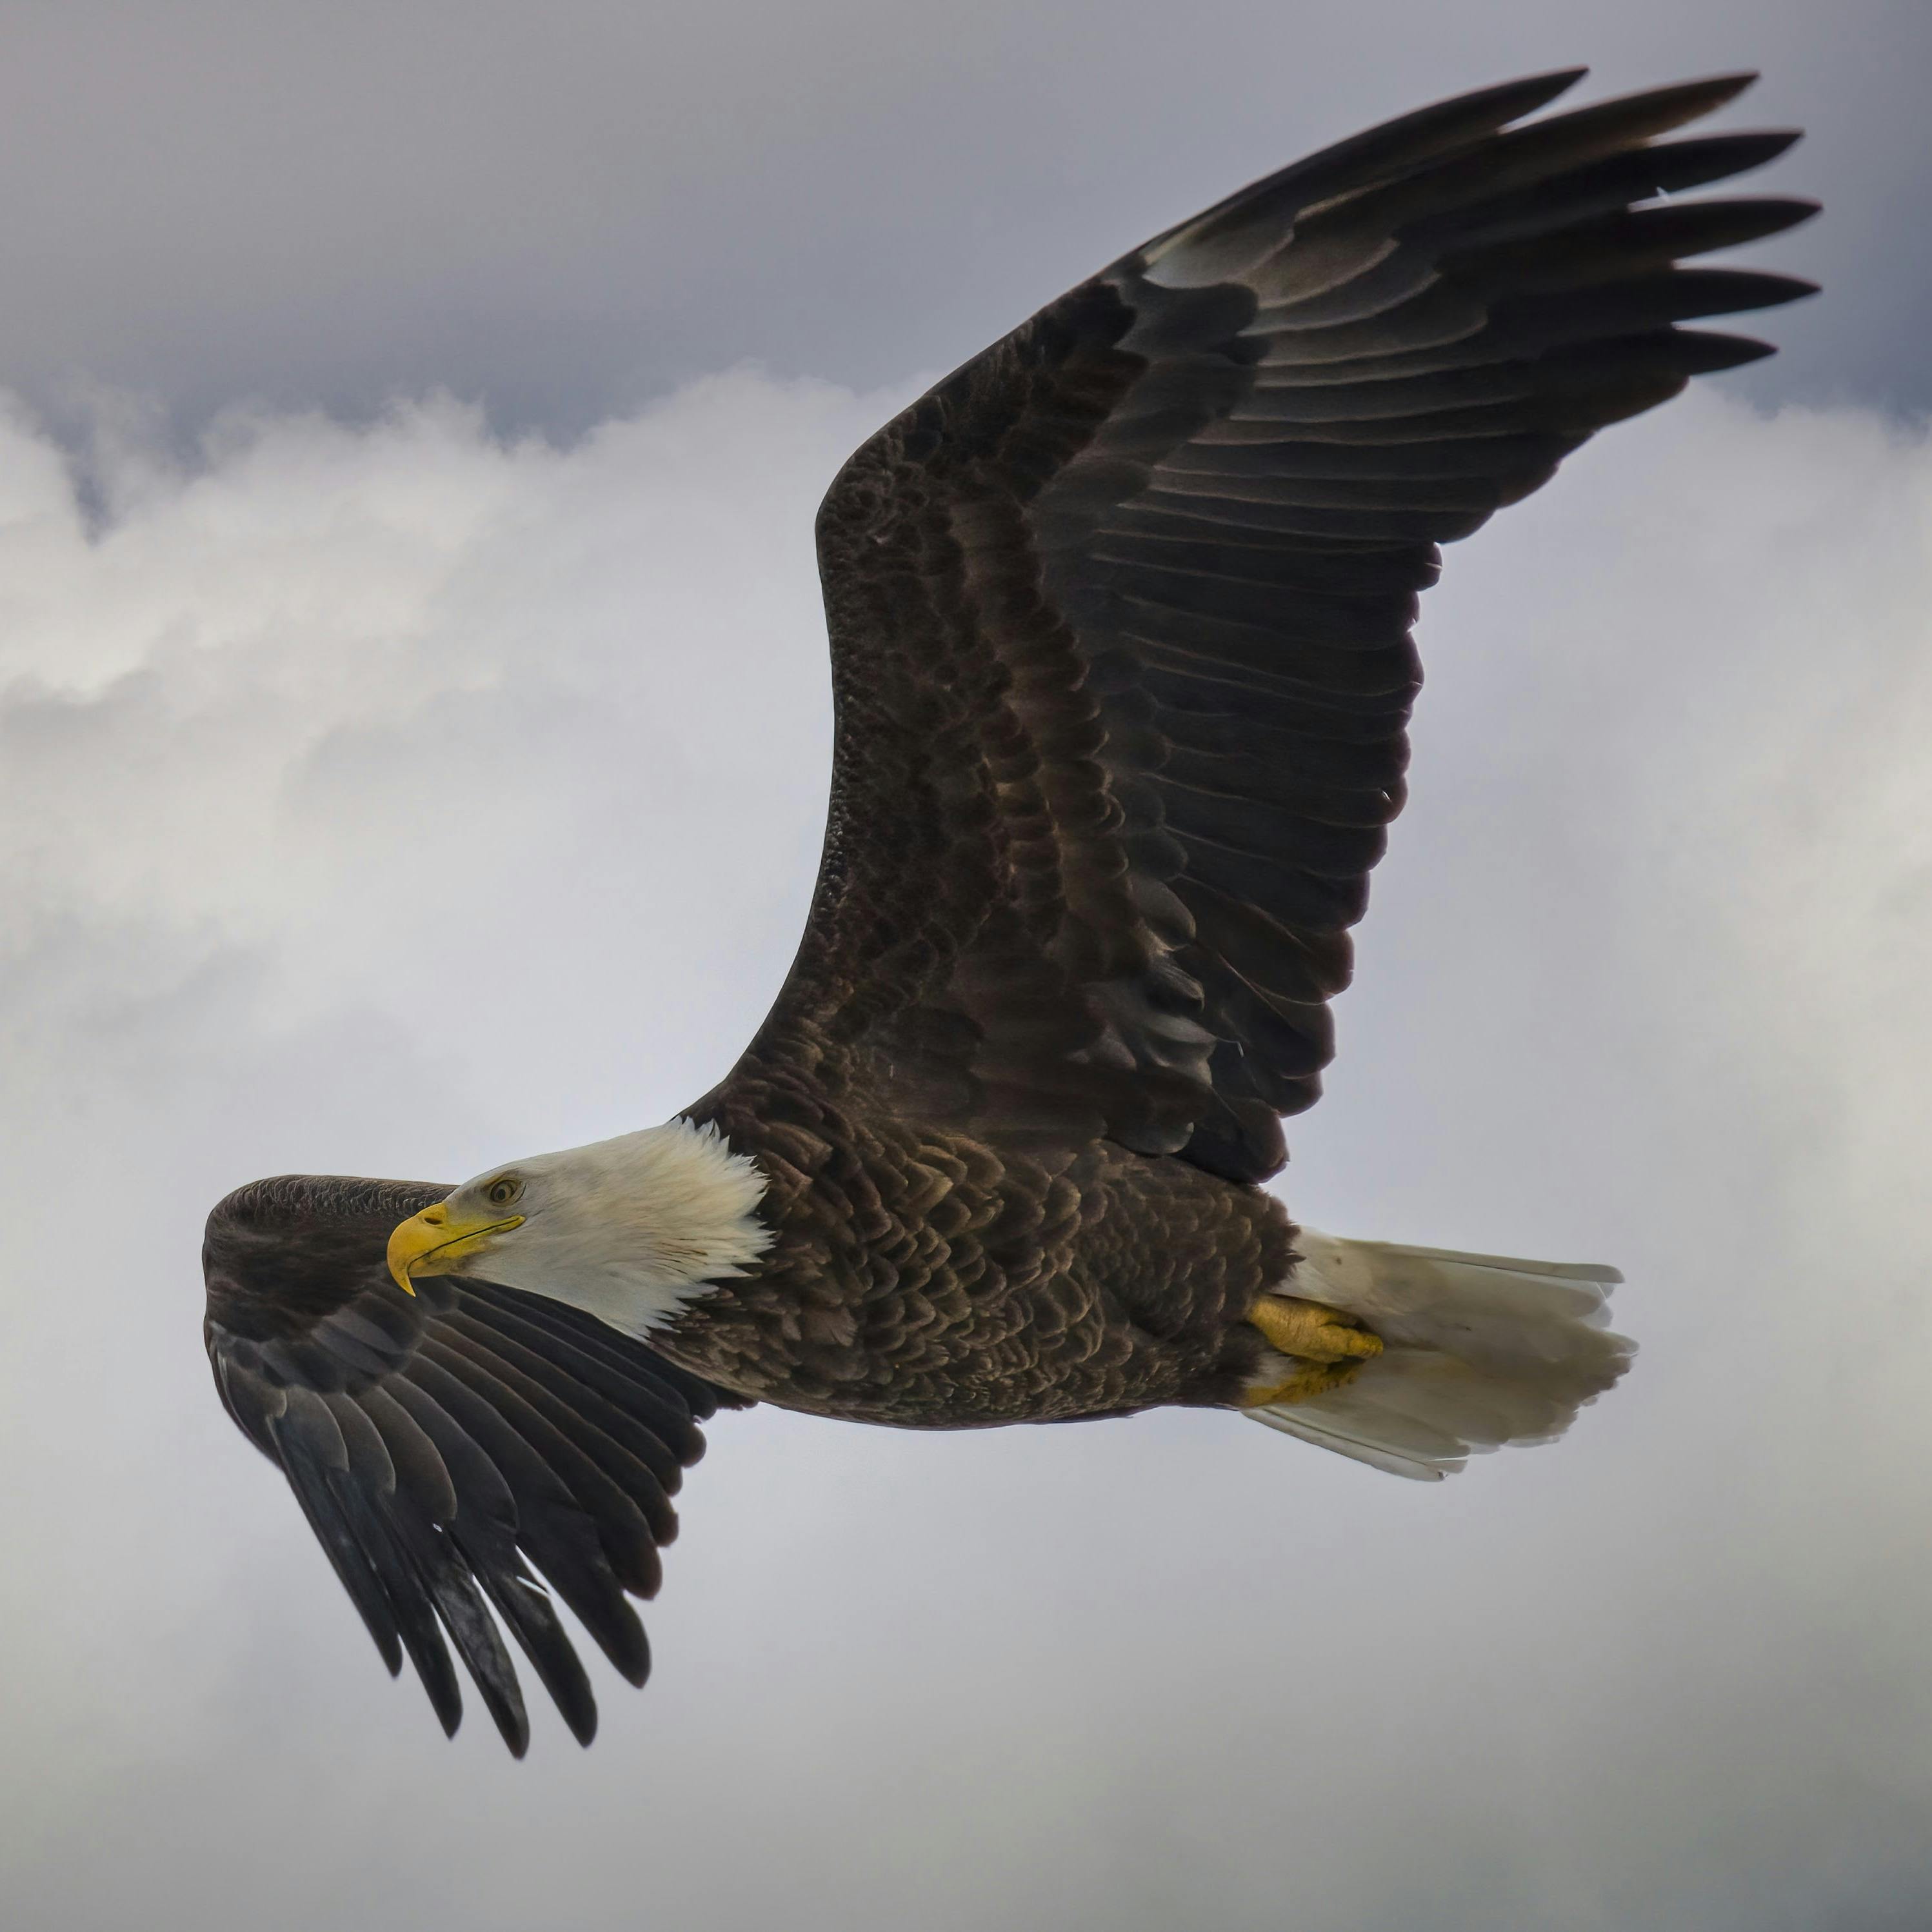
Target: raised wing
(1120, 612)
(436, 1443)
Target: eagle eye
(503, 1190)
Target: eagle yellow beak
(435, 1242)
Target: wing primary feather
(402, 1581)
(1213, 245)
(446, 1574)
(559, 1533)
(649, 1413)
(626, 1522)
(532, 1619)
(618, 1442)
(627, 1371)
(485, 1529)
(309, 1482)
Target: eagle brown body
(931, 1280)
(1120, 617)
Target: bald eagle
(1120, 617)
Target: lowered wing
(452, 1451)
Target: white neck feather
(633, 1228)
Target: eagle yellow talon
(1313, 1333)
(1324, 1347)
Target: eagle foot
(1324, 1348)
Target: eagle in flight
(1120, 617)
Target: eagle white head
(629, 1229)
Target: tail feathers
(1478, 1350)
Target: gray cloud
(393, 799)
(561, 212)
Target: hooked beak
(434, 1242)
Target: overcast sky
(413, 732)
(562, 209)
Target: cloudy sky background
(413, 739)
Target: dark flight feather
(1181, 514)
(436, 1444)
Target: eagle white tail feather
(1478, 1350)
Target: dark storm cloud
(560, 210)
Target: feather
(434, 1444)
(1478, 1351)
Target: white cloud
(391, 799)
